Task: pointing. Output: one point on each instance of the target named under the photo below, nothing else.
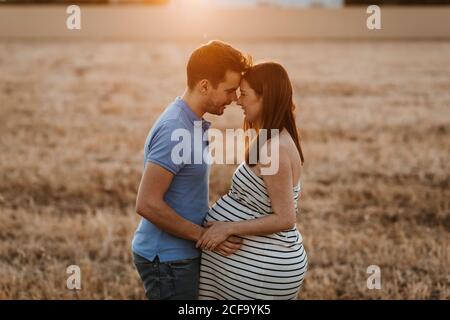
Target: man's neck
(193, 103)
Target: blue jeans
(174, 280)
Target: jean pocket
(166, 282)
(152, 288)
(149, 275)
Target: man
(173, 196)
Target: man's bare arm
(150, 204)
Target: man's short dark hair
(212, 60)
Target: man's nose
(235, 98)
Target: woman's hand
(229, 246)
(216, 233)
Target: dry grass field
(375, 118)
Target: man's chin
(220, 111)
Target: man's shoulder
(166, 124)
(170, 124)
(172, 117)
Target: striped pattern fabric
(266, 267)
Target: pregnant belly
(228, 209)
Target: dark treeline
(397, 2)
(82, 1)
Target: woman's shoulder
(287, 145)
(288, 151)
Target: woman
(271, 262)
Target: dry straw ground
(376, 124)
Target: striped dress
(265, 267)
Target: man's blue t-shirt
(188, 191)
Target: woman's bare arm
(280, 189)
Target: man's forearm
(165, 218)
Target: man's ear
(203, 86)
